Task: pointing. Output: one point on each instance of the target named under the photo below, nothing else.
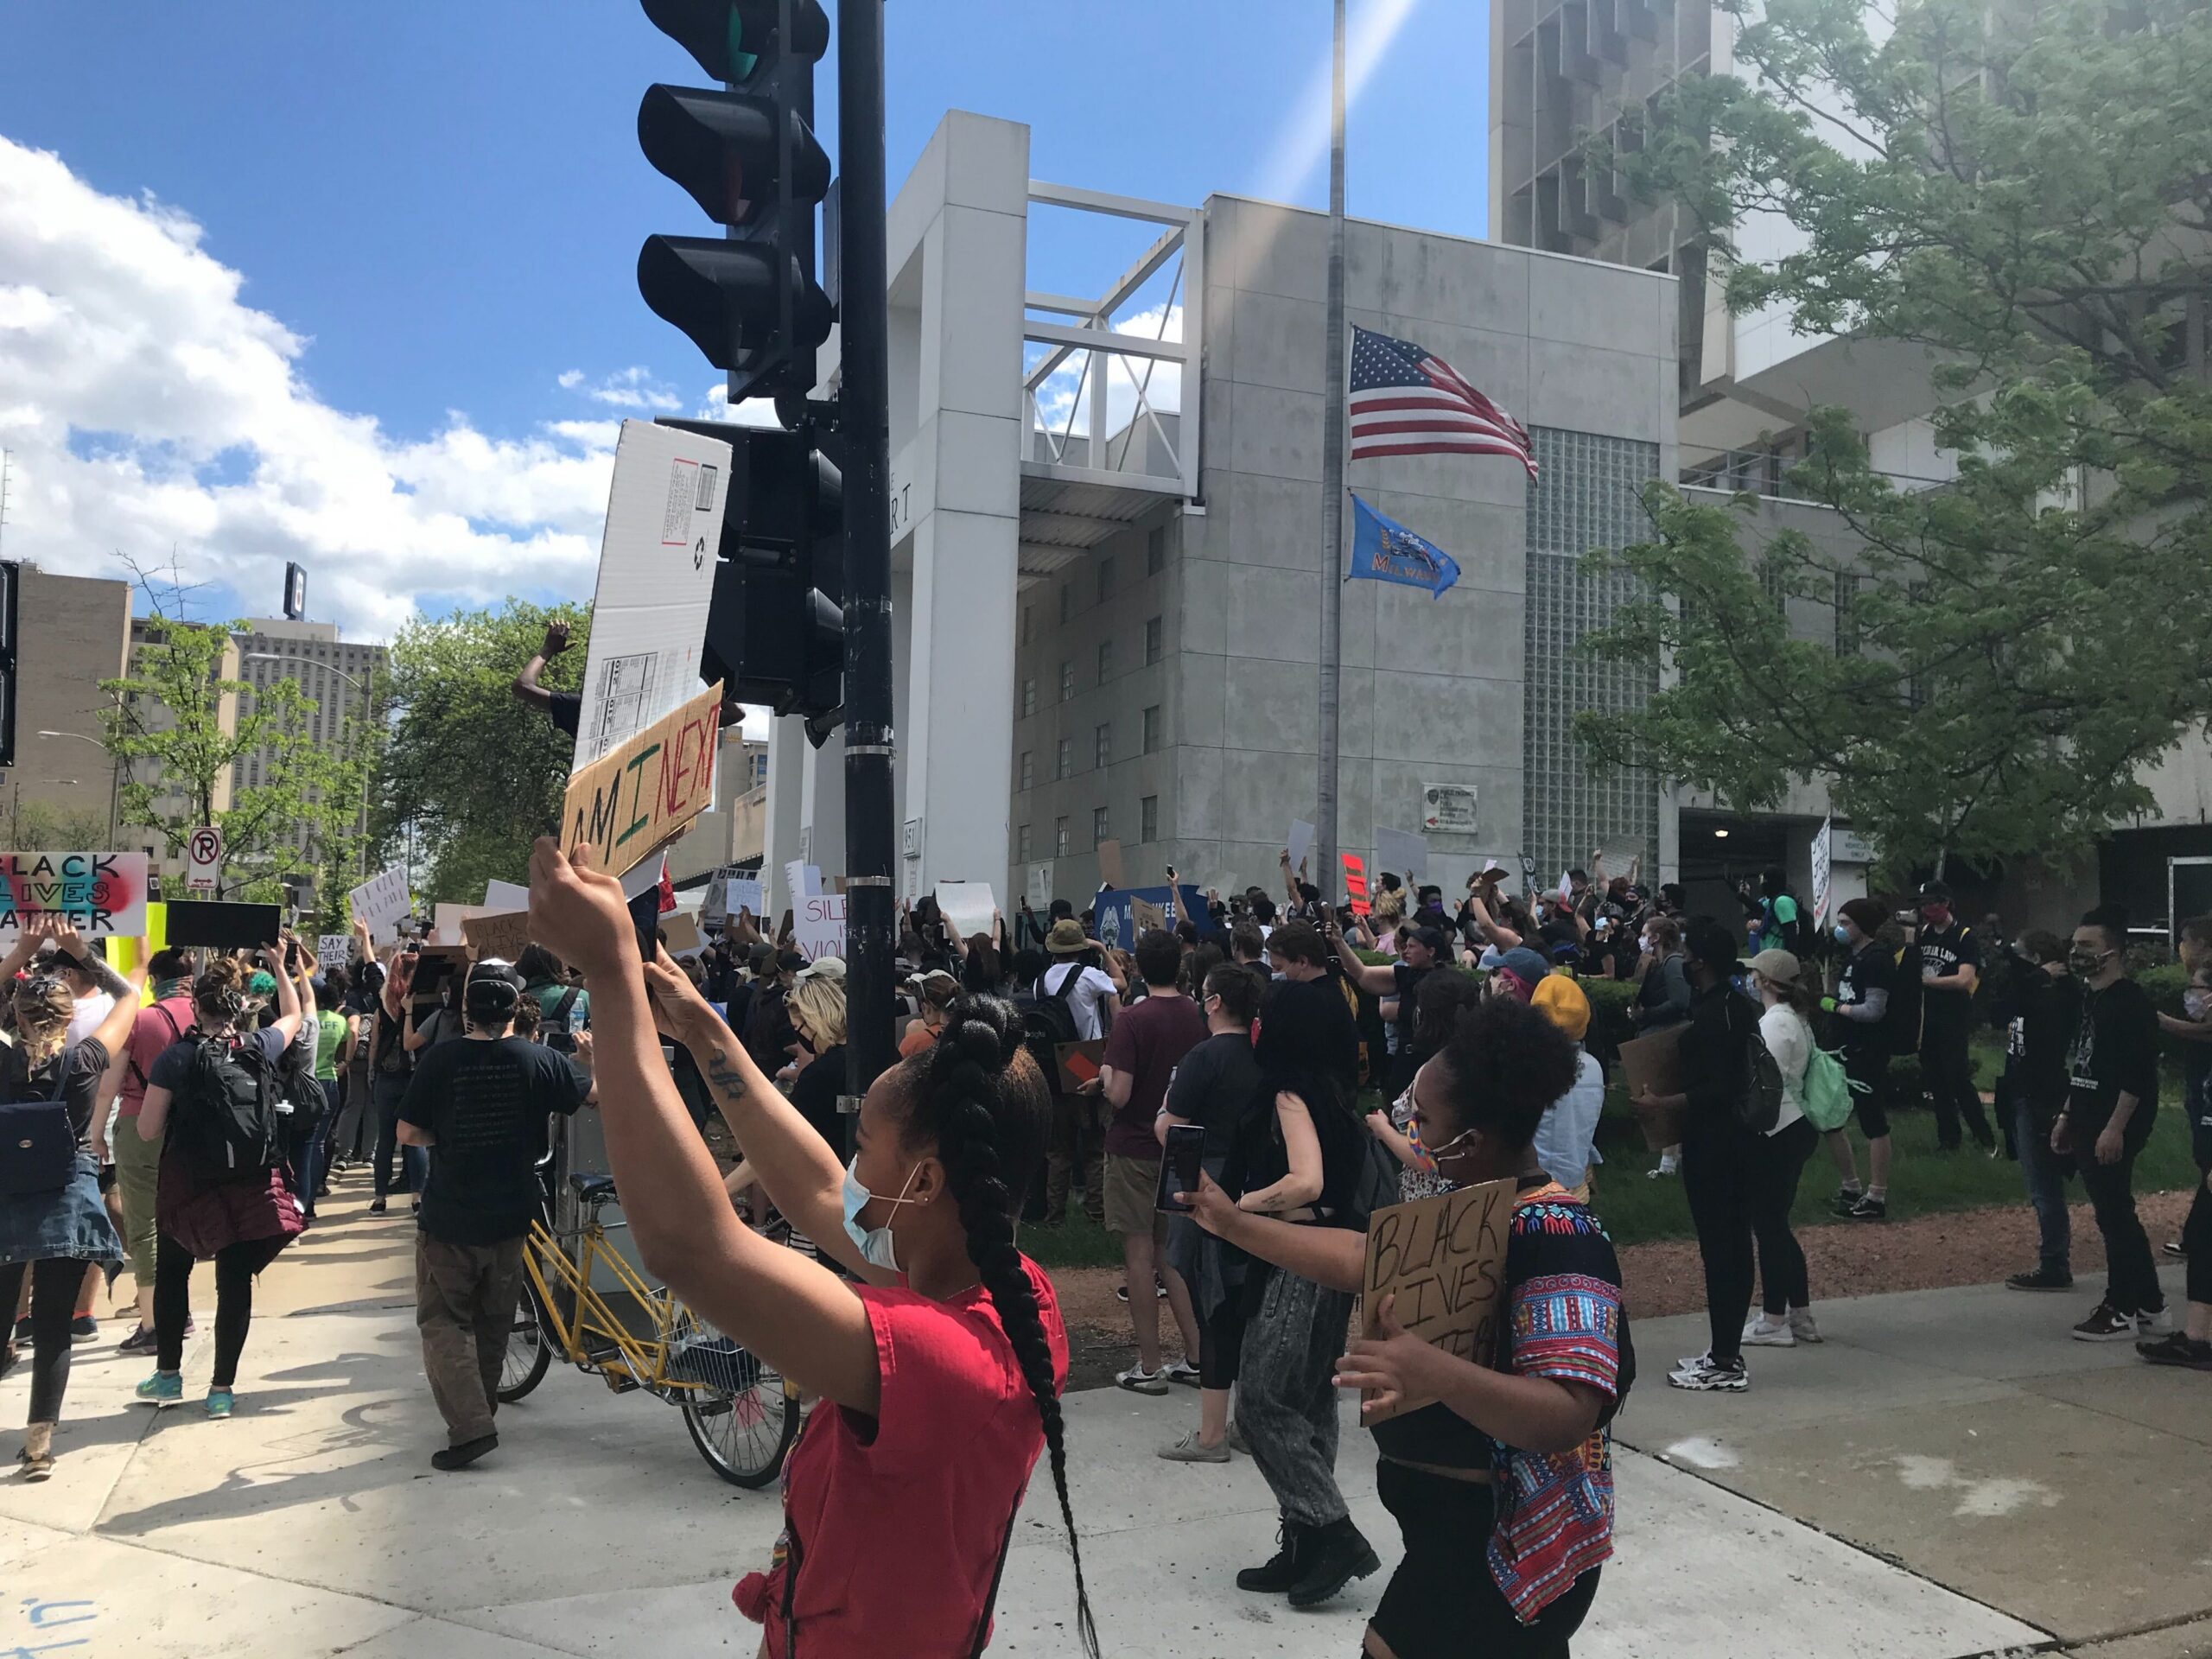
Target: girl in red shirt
(938, 1374)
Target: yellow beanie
(1564, 1004)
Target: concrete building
(1108, 555)
(342, 679)
(75, 632)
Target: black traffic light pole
(865, 418)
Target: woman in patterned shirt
(1516, 1458)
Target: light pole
(114, 779)
(368, 714)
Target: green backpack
(1827, 1091)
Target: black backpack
(225, 1121)
(1049, 1018)
(297, 1085)
(1758, 1103)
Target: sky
(355, 285)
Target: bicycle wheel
(530, 1349)
(740, 1414)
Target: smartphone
(1180, 1166)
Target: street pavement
(1947, 1477)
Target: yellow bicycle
(741, 1415)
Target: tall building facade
(346, 681)
(75, 632)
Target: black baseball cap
(1935, 892)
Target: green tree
(472, 772)
(2025, 193)
(169, 711)
(40, 824)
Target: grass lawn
(1923, 1181)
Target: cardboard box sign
(647, 789)
(683, 935)
(1444, 1259)
(1652, 1065)
(218, 925)
(502, 935)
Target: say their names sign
(1444, 1259)
(648, 788)
(102, 895)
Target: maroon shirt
(1147, 1043)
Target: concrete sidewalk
(312, 1524)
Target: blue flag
(1385, 550)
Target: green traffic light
(741, 62)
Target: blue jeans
(315, 1154)
(2044, 1172)
(414, 1161)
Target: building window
(1105, 577)
(1149, 818)
(1021, 845)
(1060, 837)
(1155, 639)
(1029, 695)
(1105, 661)
(1847, 613)
(1774, 582)
(1067, 682)
(1101, 745)
(1067, 601)
(1028, 770)
(1098, 825)
(1155, 551)
(1064, 765)
(1152, 729)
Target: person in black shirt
(2112, 1097)
(480, 1104)
(1425, 950)
(1864, 1020)
(2042, 1003)
(2192, 1346)
(1950, 969)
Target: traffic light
(9, 576)
(748, 156)
(776, 628)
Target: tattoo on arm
(104, 976)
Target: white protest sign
(102, 895)
(1823, 866)
(1301, 844)
(656, 581)
(505, 895)
(743, 894)
(381, 901)
(446, 920)
(795, 888)
(818, 925)
(332, 949)
(1040, 886)
(1406, 855)
(968, 906)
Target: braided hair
(980, 1096)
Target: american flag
(1407, 402)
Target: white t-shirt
(85, 1019)
(1789, 1040)
(1093, 992)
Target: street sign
(203, 854)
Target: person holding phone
(900, 1497)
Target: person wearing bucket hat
(1567, 1134)
(1078, 977)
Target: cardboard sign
(1355, 882)
(1299, 846)
(1406, 855)
(333, 950)
(683, 935)
(1444, 1259)
(224, 926)
(968, 906)
(1652, 1065)
(382, 902)
(656, 565)
(1145, 917)
(1114, 921)
(639, 795)
(1110, 873)
(1080, 1062)
(818, 925)
(102, 895)
(496, 933)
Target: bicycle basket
(714, 1360)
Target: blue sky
(443, 201)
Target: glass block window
(1586, 496)
(1155, 639)
(1149, 818)
(1152, 729)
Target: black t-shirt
(1213, 1085)
(815, 1093)
(564, 709)
(485, 1105)
(1306, 1030)
(1408, 980)
(1872, 968)
(2039, 1028)
(2115, 1049)
(1942, 950)
(80, 1066)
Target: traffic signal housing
(775, 627)
(748, 156)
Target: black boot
(1333, 1556)
(1283, 1568)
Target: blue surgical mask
(875, 1244)
(1842, 934)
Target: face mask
(875, 1244)
(1936, 915)
(1842, 934)
(2085, 963)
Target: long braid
(964, 1078)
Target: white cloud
(1069, 386)
(148, 407)
(716, 406)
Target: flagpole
(1334, 415)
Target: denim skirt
(70, 1223)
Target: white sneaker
(1691, 1362)
(1802, 1326)
(1707, 1378)
(1666, 1165)
(2151, 1325)
(1767, 1332)
(1137, 1380)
